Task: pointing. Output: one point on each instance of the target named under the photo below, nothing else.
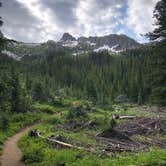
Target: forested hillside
(98, 77)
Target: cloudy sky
(41, 20)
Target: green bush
(4, 122)
(108, 124)
(78, 112)
(35, 156)
(44, 108)
(57, 101)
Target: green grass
(40, 152)
(45, 108)
(48, 130)
(43, 153)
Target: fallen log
(127, 117)
(116, 116)
(63, 144)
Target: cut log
(127, 117)
(116, 116)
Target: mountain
(112, 43)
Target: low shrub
(44, 108)
(77, 113)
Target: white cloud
(140, 16)
(41, 20)
(91, 17)
(49, 29)
(98, 17)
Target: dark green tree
(16, 92)
(160, 22)
(38, 92)
(158, 58)
(1, 22)
(91, 90)
(2, 40)
(4, 122)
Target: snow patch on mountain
(110, 49)
(79, 53)
(106, 47)
(30, 44)
(90, 43)
(70, 43)
(10, 54)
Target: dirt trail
(12, 155)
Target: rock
(33, 133)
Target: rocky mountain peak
(67, 37)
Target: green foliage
(98, 77)
(1, 22)
(91, 91)
(35, 156)
(38, 92)
(57, 101)
(160, 20)
(4, 122)
(157, 77)
(157, 74)
(108, 124)
(44, 108)
(10, 123)
(78, 112)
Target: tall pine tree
(158, 57)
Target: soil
(12, 155)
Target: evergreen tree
(4, 122)
(16, 92)
(158, 75)
(91, 91)
(38, 92)
(1, 35)
(1, 22)
(160, 21)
